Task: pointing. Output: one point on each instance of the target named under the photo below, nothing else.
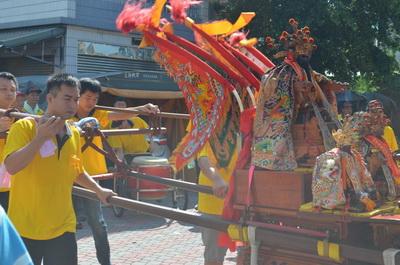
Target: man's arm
(148, 108)
(18, 160)
(21, 158)
(87, 182)
(220, 187)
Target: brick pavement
(147, 240)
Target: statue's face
(378, 121)
(377, 113)
(303, 51)
(303, 59)
(377, 129)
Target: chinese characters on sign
(114, 51)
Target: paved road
(141, 239)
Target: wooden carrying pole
(279, 240)
(171, 115)
(157, 210)
(113, 132)
(267, 237)
(184, 185)
(169, 182)
(172, 182)
(18, 115)
(116, 132)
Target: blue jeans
(94, 213)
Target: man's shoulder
(389, 129)
(25, 123)
(99, 113)
(73, 127)
(102, 117)
(139, 122)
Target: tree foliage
(356, 39)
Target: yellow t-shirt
(131, 144)
(390, 138)
(211, 204)
(40, 204)
(94, 162)
(2, 144)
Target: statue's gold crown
(299, 41)
(354, 127)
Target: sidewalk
(146, 240)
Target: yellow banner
(156, 12)
(216, 28)
(224, 27)
(242, 21)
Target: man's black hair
(9, 76)
(89, 84)
(55, 82)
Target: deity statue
(341, 178)
(378, 155)
(296, 107)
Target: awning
(142, 94)
(18, 37)
(39, 81)
(134, 84)
(140, 84)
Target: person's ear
(49, 98)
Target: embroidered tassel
(236, 38)
(133, 17)
(179, 8)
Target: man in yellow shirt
(388, 133)
(44, 158)
(95, 163)
(8, 88)
(218, 179)
(128, 144)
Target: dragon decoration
(218, 74)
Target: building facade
(42, 37)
